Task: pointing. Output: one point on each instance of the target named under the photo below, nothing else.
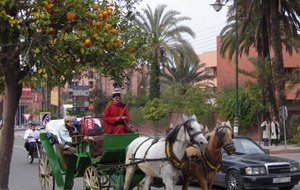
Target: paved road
(25, 176)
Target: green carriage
(99, 160)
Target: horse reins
(204, 158)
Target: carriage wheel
(91, 180)
(104, 181)
(45, 174)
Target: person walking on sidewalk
(266, 125)
(275, 132)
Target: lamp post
(218, 6)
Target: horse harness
(170, 139)
(203, 158)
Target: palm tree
(164, 33)
(181, 70)
(264, 79)
(265, 24)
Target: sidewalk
(282, 149)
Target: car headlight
(294, 167)
(256, 170)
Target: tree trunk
(10, 70)
(154, 77)
(11, 101)
(278, 68)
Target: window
(210, 71)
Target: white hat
(117, 92)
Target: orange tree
(48, 42)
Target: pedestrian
(266, 127)
(116, 117)
(275, 131)
(31, 135)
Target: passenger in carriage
(116, 117)
(65, 132)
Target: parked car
(252, 167)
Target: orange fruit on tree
(104, 13)
(106, 45)
(84, 45)
(130, 49)
(118, 41)
(87, 41)
(71, 16)
(114, 31)
(49, 6)
(107, 26)
(109, 11)
(98, 23)
(95, 36)
(100, 15)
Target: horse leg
(130, 169)
(209, 184)
(202, 182)
(169, 183)
(186, 181)
(147, 182)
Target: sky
(205, 21)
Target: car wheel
(287, 188)
(234, 181)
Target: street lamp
(218, 6)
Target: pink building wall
(210, 60)
(226, 68)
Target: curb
(20, 129)
(284, 151)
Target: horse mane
(172, 133)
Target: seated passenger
(63, 133)
(116, 117)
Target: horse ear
(228, 123)
(184, 117)
(194, 117)
(207, 136)
(219, 123)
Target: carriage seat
(96, 145)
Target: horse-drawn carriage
(107, 160)
(99, 159)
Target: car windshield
(246, 146)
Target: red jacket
(111, 126)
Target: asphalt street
(24, 175)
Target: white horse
(164, 157)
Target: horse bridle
(169, 153)
(218, 130)
(188, 127)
